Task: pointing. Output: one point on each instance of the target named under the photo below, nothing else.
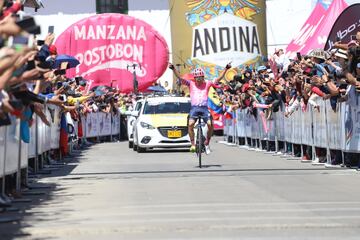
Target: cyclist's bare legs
(191, 131)
(210, 132)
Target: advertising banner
(255, 126)
(301, 41)
(288, 129)
(117, 124)
(319, 121)
(240, 123)
(279, 121)
(248, 119)
(55, 127)
(2, 150)
(214, 33)
(316, 29)
(92, 125)
(318, 40)
(350, 122)
(296, 126)
(32, 144)
(345, 27)
(333, 126)
(12, 145)
(306, 126)
(105, 124)
(112, 48)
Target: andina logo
(108, 47)
(223, 31)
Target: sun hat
(318, 53)
(341, 54)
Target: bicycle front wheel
(200, 143)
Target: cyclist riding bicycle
(199, 90)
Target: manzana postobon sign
(111, 47)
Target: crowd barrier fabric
(318, 127)
(44, 138)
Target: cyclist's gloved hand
(228, 66)
(171, 66)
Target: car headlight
(146, 125)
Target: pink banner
(316, 30)
(112, 47)
(319, 39)
(301, 42)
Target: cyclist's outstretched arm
(227, 67)
(182, 80)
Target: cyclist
(199, 90)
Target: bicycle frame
(200, 138)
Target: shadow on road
(12, 219)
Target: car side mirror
(135, 114)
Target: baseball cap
(53, 50)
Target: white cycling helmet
(198, 72)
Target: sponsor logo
(226, 38)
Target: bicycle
(200, 139)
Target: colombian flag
(214, 103)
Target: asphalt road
(111, 192)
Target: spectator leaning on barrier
(29, 82)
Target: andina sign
(113, 46)
(226, 38)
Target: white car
(162, 123)
(131, 117)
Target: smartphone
(60, 72)
(353, 37)
(16, 104)
(51, 29)
(298, 55)
(40, 42)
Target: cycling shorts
(202, 111)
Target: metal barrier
(317, 128)
(15, 153)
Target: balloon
(115, 47)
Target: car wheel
(131, 144)
(141, 149)
(135, 147)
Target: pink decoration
(113, 47)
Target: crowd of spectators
(295, 84)
(32, 76)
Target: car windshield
(166, 107)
